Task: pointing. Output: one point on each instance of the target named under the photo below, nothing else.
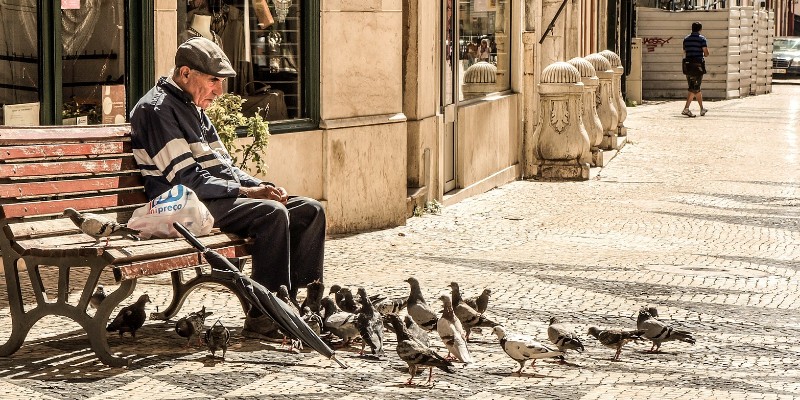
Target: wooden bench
(45, 170)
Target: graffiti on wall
(652, 42)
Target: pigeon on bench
(130, 318)
(98, 226)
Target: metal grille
(780, 63)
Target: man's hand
(278, 194)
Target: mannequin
(202, 25)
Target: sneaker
(687, 113)
(703, 111)
(263, 328)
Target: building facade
(376, 106)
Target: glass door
(449, 100)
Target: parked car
(786, 56)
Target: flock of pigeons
(347, 317)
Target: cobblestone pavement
(696, 216)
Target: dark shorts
(694, 82)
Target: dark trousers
(288, 241)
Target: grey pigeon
(283, 295)
(659, 332)
(452, 333)
(370, 325)
(97, 297)
(522, 348)
(480, 303)
(313, 319)
(314, 294)
(340, 323)
(563, 337)
(418, 309)
(421, 335)
(470, 318)
(346, 301)
(98, 226)
(130, 318)
(389, 306)
(217, 338)
(615, 338)
(193, 325)
(416, 354)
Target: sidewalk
(697, 216)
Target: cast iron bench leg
(181, 289)
(20, 323)
(96, 327)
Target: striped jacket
(174, 142)
(693, 46)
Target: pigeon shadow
(521, 375)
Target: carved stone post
(606, 106)
(622, 108)
(591, 122)
(560, 141)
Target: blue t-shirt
(693, 46)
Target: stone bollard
(606, 106)
(480, 78)
(622, 108)
(591, 122)
(560, 141)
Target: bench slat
(17, 210)
(61, 150)
(152, 267)
(25, 189)
(33, 135)
(167, 247)
(125, 163)
(57, 226)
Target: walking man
(695, 48)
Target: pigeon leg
(533, 363)
(412, 369)
(619, 351)
(362, 348)
(521, 366)
(430, 375)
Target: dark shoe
(263, 328)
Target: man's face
(202, 87)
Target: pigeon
(480, 303)
(389, 306)
(192, 325)
(314, 294)
(615, 338)
(421, 335)
(658, 332)
(452, 333)
(563, 337)
(345, 301)
(283, 294)
(98, 226)
(130, 318)
(340, 323)
(313, 320)
(98, 297)
(370, 325)
(470, 318)
(217, 337)
(419, 309)
(522, 348)
(416, 354)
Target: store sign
(25, 114)
(70, 4)
(113, 104)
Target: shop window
(483, 45)
(269, 45)
(67, 62)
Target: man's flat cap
(203, 55)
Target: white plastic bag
(179, 204)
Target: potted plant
(226, 115)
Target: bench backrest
(45, 170)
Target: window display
(262, 40)
(483, 27)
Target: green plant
(431, 207)
(226, 115)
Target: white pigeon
(418, 309)
(98, 297)
(522, 348)
(98, 226)
(452, 333)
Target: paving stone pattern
(697, 216)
